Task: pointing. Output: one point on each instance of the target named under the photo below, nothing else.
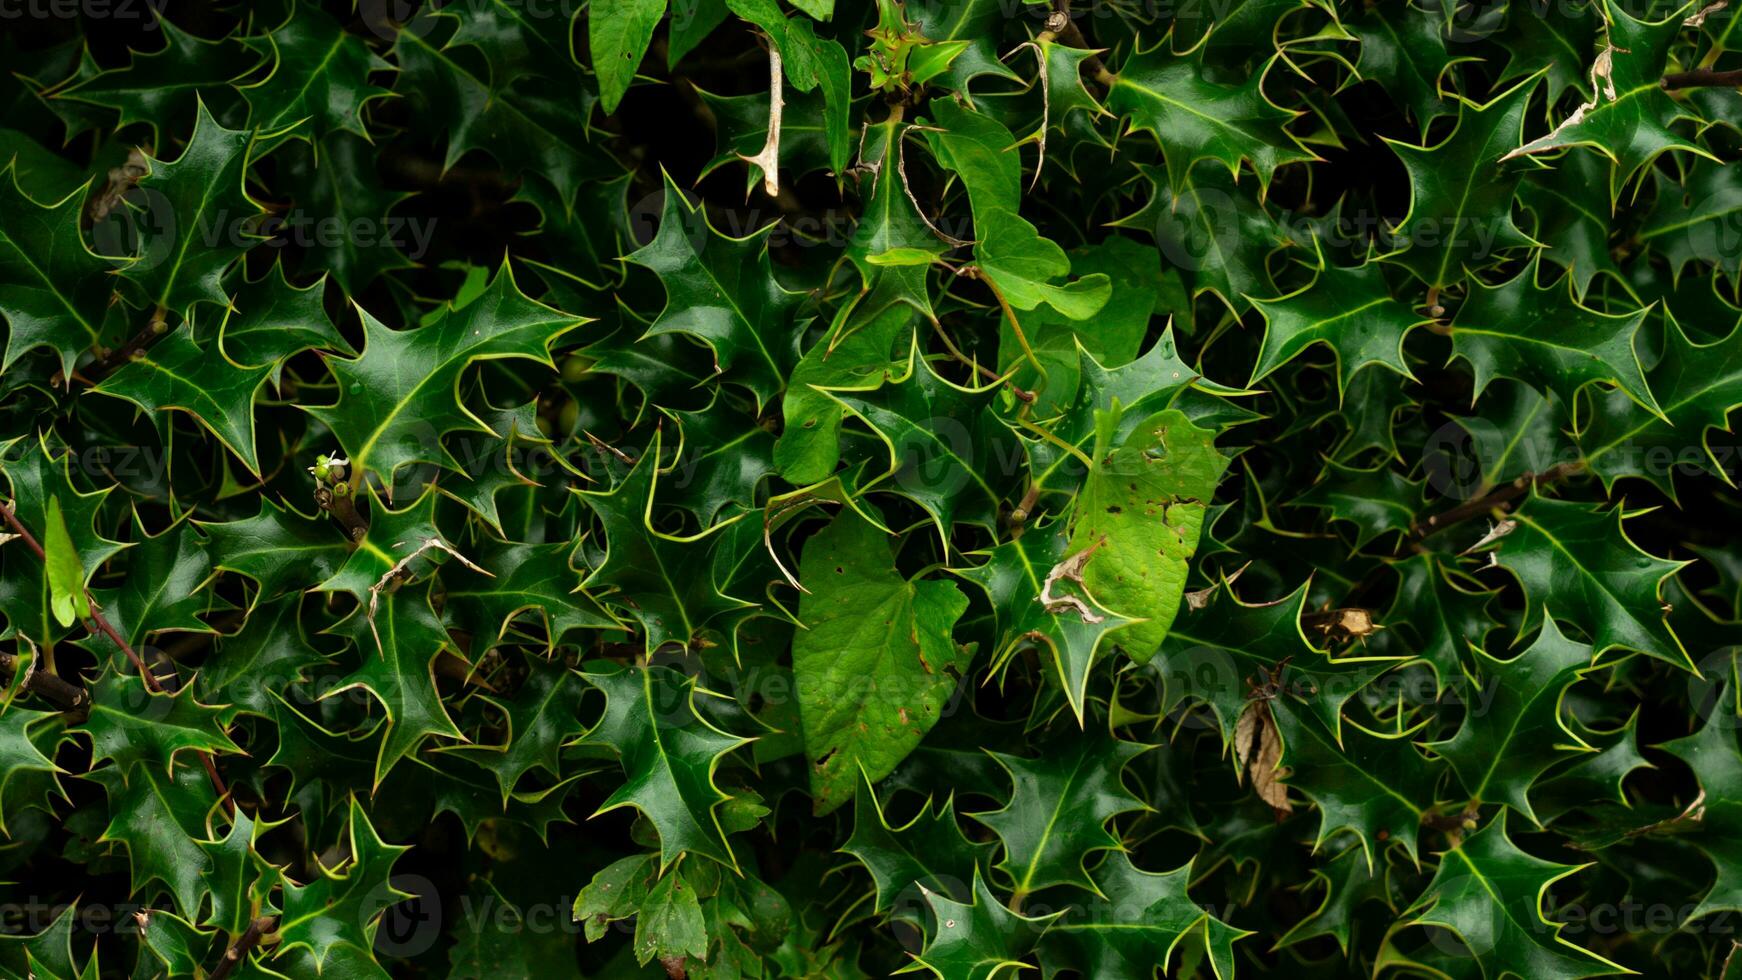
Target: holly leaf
(1137, 926)
(1172, 97)
(927, 852)
(977, 941)
(1489, 893)
(319, 80)
(1712, 755)
(270, 319)
(1580, 563)
(668, 580)
(1629, 117)
(54, 290)
(194, 219)
(1460, 204)
(137, 727)
(238, 877)
(1702, 385)
(159, 817)
(1501, 751)
(669, 753)
(948, 453)
(161, 88)
(1543, 336)
(1349, 310)
(175, 373)
(399, 638)
(1032, 608)
(1221, 644)
(278, 548)
(543, 715)
(1377, 786)
(402, 393)
(723, 292)
(342, 906)
(1058, 810)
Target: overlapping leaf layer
(824, 488)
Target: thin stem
(8, 511)
(247, 941)
(1015, 324)
(1701, 78)
(1495, 498)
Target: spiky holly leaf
(669, 581)
(319, 80)
(1220, 646)
(1629, 118)
(1489, 893)
(53, 289)
(1579, 562)
(1702, 384)
(1404, 50)
(269, 319)
(1058, 810)
(1460, 205)
(1349, 310)
(400, 395)
(176, 373)
(723, 292)
(929, 851)
(161, 88)
(532, 578)
(136, 727)
(948, 452)
(278, 548)
(893, 244)
(1502, 750)
(342, 905)
(269, 653)
(238, 877)
(1439, 614)
(343, 211)
(500, 83)
(27, 775)
(1018, 576)
(1144, 917)
(159, 817)
(669, 753)
(1214, 229)
(1378, 501)
(194, 217)
(1712, 755)
(1377, 786)
(977, 941)
(543, 715)
(1543, 336)
(1171, 96)
(398, 639)
(875, 662)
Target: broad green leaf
(874, 661)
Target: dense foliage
(729, 489)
